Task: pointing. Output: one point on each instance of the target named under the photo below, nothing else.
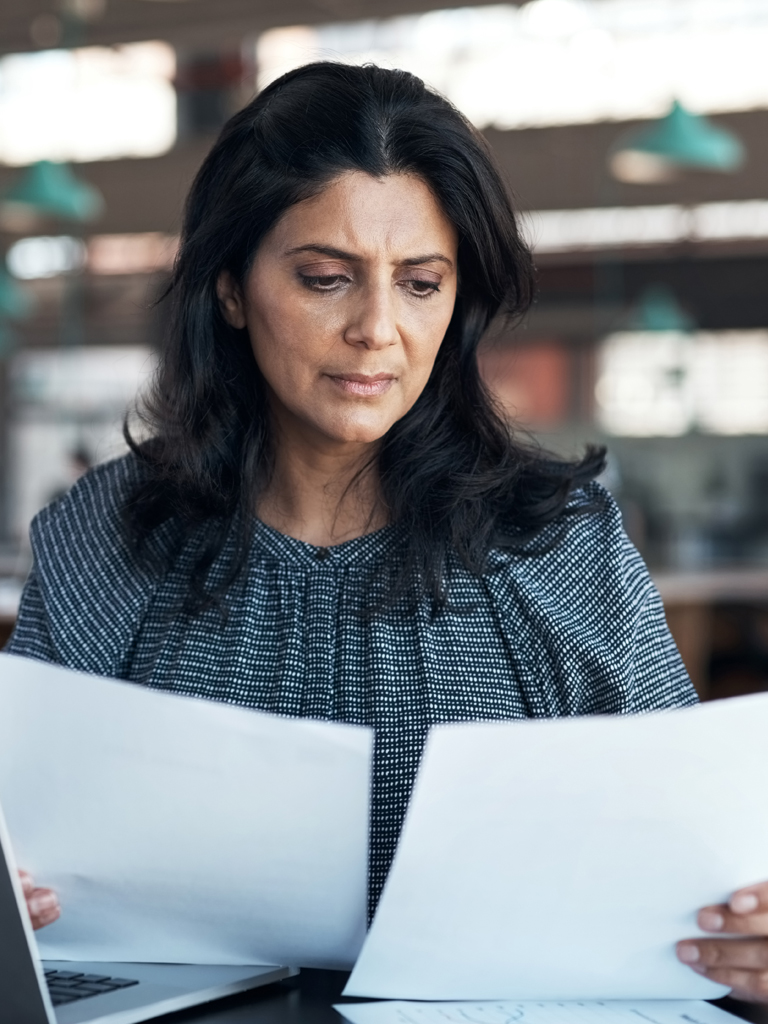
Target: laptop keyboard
(68, 986)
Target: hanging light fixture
(680, 141)
(658, 309)
(48, 190)
(15, 302)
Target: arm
(659, 677)
(31, 637)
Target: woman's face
(346, 304)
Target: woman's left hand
(741, 963)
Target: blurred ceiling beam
(186, 22)
(548, 168)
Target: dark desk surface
(309, 999)
(305, 999)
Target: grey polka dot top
(576, 630)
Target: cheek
(286, 340)
(424, 343)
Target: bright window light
(666, 384)
(68, 406)
(143, 253)
(731, 220)
(564, 230)
(95, 103)
(729, 379)
(553, 62)
(85, 381)
(607, 227)
(45, 256)
(642, 387)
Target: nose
(373, 323)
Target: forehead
(395, 214)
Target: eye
(323, 283)
(421, 289)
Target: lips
(363, 385)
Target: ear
(231, 302)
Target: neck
(322, 492)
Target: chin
(357, 433)
(363, 437)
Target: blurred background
(634, 134)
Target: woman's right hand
(42, 904)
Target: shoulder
(595, 541)
(92, 590)
(580, 601)
(582, 566)
(94, 503)
(588, 531)
(590, 534)
(85, 526)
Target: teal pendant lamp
(15, 303)
(658, 309)
(8, 340)
(680, 141)
(50, 190)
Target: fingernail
(688, 954)
(710, 921)
(45, 901)
(744, 902)
(699, 968)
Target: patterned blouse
(576, 630)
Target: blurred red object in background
(532, 381)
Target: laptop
(35, 991)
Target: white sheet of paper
(563, 859)
(184, 830)
(676, 1011)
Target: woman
(328, 518)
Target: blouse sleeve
(584, 622)
(658, 676)
(86, 597)
(31, 637)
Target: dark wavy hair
(452, 472)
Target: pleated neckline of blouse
(381, 545)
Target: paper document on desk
(183, 830)
(563, 859)
(675, 1011)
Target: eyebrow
(340, 254)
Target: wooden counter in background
(699, 606)
(6, 628)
